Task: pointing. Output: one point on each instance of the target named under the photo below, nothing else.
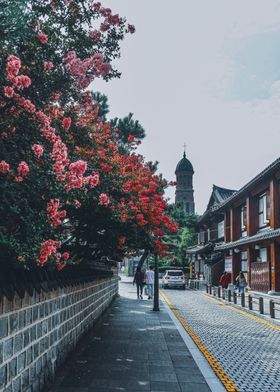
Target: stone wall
(37, 332)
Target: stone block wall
(38, 332)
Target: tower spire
(184, 155)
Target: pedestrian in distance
(225, 280)
(241, 282)
(150, 279)
(139, 278)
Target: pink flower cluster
(60, 157)
(22, 82)
(95, 35)
(75, 178)
(92, 180)
(25, 103)
(8, 91)
(104, 200)
(48, 65)
(84, 71)
(54, 215)
(78, 168)
(96, 6)
(43, 38)
(47, 249)
(22, 170)
(19, 82)
(4, 167)
(66, 123)
(12, 68)
(45, 126)
(64, 256)
(38, 150)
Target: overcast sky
(204, 73)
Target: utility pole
(156, 288)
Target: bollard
(243, 300)
(210, 289)
(229, 295)
(234, 298)
(219, 292)
(261, 305)
(207, 288)
(271, 308)
(250, 302)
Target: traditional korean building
(251, 240)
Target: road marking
(256, 318)
(219, 371)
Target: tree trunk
(143, 258)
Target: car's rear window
(174, 273)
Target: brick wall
(38, 332)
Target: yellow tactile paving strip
(219, 371)
(256, 318)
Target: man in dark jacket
(139, 280)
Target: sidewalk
(132, 349)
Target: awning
(261, 236)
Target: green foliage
(185, 237)
(127, 127)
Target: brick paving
(132, 349)
(247, 350)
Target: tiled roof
(218, 196)
(261, 236)
(268, 170)
(200, 248)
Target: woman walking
(139, 280)
(241, 282)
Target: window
(244, 221)
(202, 237)
(244, 261)
(221, 226)
(264, 209)
(263, 255)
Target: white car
(174, 278)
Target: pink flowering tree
(51, 51)
(72, 185)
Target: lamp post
(156, 288)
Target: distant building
(184, 189)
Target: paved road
(132, 349)
(247, 350)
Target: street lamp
(156, 287)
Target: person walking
(241, 282)
(225, 280)
(139, 278)
(150, 279)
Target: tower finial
(184, 150)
